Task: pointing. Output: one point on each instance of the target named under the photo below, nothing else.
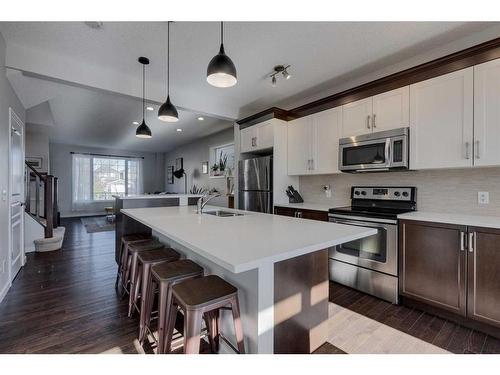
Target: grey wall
(451, 190)
(7, 99)
(61, 167)
(37, 145)
(194, 154)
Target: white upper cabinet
(391, 110)
(257, 137)
(487, 113)
(441, 121)
(299, 146)
(357, 118)
(313, 143)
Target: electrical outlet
(328, 191)
(483, 197)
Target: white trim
(4, 291)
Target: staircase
(41, 205)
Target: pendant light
(167, 111)
(143, 131)
(221, 71)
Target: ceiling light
(150, 108)
(279, 69)
(221, 71)
(135, 123)
(201, 118)
(167, 111)
(178, 129)
(143, 131)
(94, 24)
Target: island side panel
(301, 303)
(127, 226)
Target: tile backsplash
(450, 191)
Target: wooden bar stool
(147, 259)
(130, 270)
(125, 242)
(166, 275)
(198, 296)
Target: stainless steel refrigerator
(255, 184)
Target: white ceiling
(93, 75)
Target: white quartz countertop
(242, 243)
(305, 206)
(457, 219)
(153, 196)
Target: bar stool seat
(166, 275)
(146, 260)
(204, 295)
(130, 273)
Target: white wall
(7, 99)
(194, 154)
(61, 167)
(37, 145)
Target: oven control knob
(363, 192)
(405, 193)
(357, 192)
(397, 193)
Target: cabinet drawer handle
(467, 147)
(368, 122)
(472, 241)
(462, 241)
(478, 152)
(373, 121)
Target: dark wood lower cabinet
(453, 268)
(432, 264)
(483, 292)
(301, 213)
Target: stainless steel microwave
(375, 152)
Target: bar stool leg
(192, 330)
(238, 329)
(119, 272)
(170, 319)
(135, 285)
(164, 301)
(147, 297)
(212, 320)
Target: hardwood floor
(65, 302)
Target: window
(221, 160)
(98, 178)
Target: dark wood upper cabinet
(483, 302)
(433, 264)
(301, 213)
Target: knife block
(296, 198)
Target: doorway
(16, 194)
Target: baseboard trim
(4, 291)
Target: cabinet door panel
(356, 118)
(325, 147)
(299, 146)
(315, 215)
(483, 302)
(265, 136)
(391, 110)
(246, 136)
(441, 121)
(284, 211)
(432, 264)
(487, 113)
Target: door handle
(472, 241)
(368, 122)
(478, 152)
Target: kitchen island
(279, 265)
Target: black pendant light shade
(221, 71)
(167, 111)
(143, 131)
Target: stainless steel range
(371, 264)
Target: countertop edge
(456, 219)
(305, 206)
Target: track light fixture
(277, 70)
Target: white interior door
(16, 194)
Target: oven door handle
(361, 224)
(388, 158)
